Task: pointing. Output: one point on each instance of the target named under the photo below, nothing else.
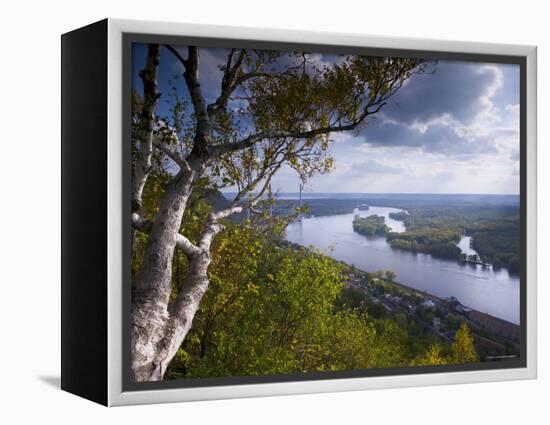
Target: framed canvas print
(249, 212)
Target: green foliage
(436, 229)
(439, 242)
(355, 300)
(273, 309)
(400, 216)
(432, 357)
(462, 349)
(370, 226)
(497, 242)
(317, 207)
(390, 275)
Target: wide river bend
(495, 292)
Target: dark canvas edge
(84, 141)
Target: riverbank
(473, 317)
(439, 316)
(493, 234)
(495, 339)
(485, 289)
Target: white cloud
(455, 132)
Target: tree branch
(231, 80)
(150, 99)
(218, 215)
(143, 225)
(173, 154)
(281, 134)
(176, 54)
(212, 227)
(228, 83)
(191, 76)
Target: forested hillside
(273, 308)
(435, 229)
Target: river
(495, 292)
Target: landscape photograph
(298, 213)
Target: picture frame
(96, 171)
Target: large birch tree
(272, 110)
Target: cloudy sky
(454, 131)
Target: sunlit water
(465, 245)
(495, 292)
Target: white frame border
(116, 397)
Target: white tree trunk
(151, 321)
(158, 333)
(143, 163)
(159, 328)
